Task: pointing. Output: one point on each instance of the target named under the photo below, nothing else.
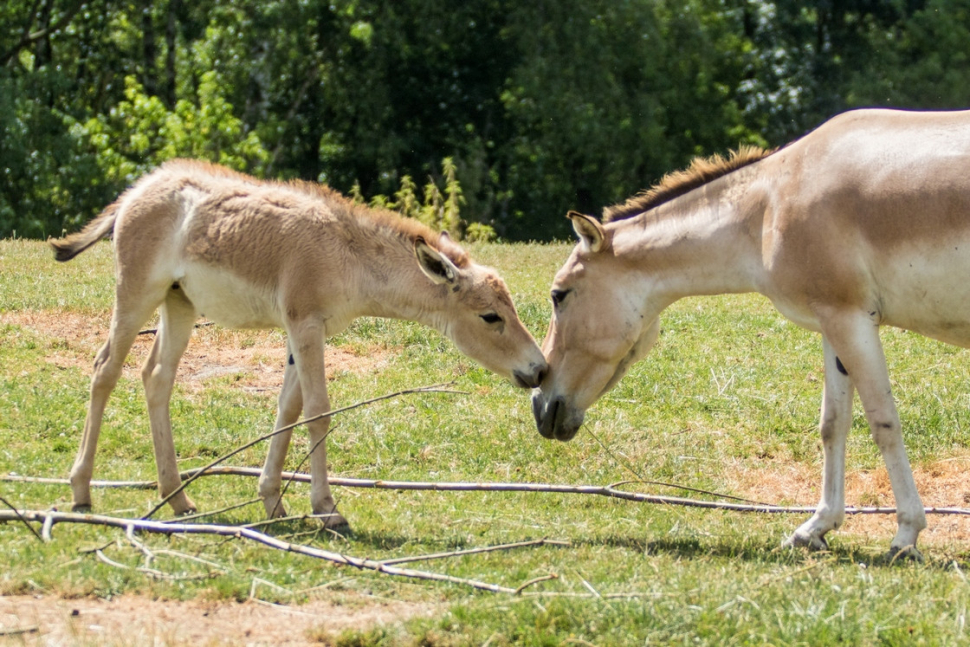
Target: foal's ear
(589, 230)
(434, 264)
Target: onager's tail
(70, 246)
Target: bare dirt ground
(136, 621)
(943, 484)
(256, 358)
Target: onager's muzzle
(554, 418)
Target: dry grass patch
(256, 357)
(941, 484)
(138, 620)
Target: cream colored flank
(197, 239)
(862, 223)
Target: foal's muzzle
(533, 377)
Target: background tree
(540, 107)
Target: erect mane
(701, 171)
(407, 228)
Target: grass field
(727, 402)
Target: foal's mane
(701, 171)
(407, 228)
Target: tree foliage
(538, 107)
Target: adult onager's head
(862, 223)
(194, 238)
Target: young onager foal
(193, 238)
(863, 223)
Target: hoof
(335, 522)
(275, 511)
(187, 512)
(811, 542)
(904, 553)
(81, 508)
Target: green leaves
(542, 107)
(140, 132)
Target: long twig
(29, 527)
(434, 388)
(611, 491)
(622, 460)
(474, 551)
(148, 525)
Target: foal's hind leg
(158, 374)
(127, 318)
(290, 404)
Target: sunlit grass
(731, 386)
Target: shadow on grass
(757, 549)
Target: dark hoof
(81, 508)
(811, 543)
(904, 554)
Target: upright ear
(434, 264)
(589, 230)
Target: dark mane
(701, 171)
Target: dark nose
(534, 378)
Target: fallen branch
(147, 525)
(475, 551)
(29, 527)
(611, 491)
(19, 631)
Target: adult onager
(862, 223)
(193, 238)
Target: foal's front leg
(834, 428)
(306, 342)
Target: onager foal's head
(480, 317)
(600, 327)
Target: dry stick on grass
(597, 490)
(434, 388)
(639, 479)
(153, 331)
(148, 525)
(476, 551)
(29, 527)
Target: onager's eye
(558, 296)
(491, 318)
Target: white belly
(228, 300)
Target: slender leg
(127, 318)
(306, 342)
(834, 427)
(290, 405)
(158, 374)
(855, 337)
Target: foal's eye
(491, 318)
(558, 296)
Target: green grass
(730, 386)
